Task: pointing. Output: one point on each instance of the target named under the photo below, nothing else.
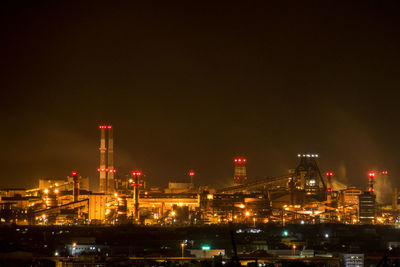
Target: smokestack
(136, 179)
(75, 177)
(191, 175)
(102, 169)
(371, 176)
(110, 161)
(239, 176)
(329, 187)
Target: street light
(294, 249)
(73, 249)
(183, 246)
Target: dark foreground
(132, 245)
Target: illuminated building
(301, 196)
(367, 207)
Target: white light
(298, 155)
(302, 222)
(326, 235)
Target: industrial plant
(304, 195)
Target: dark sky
(194, 84)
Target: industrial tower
(310, 177)
(239, 176)
(106, 169)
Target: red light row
(370, 174)
(136, 173)
(106, 170)
(191, 173)
(240, 160)
(105, 126)
(238, 178)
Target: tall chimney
(371, 176)
(191, 175)
(329, 187)
(110, 161)
(239, 176)
(102, 169)
(75, 192)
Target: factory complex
(304, 195)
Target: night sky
(191, 85)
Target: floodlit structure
(310, 177)
(367, 208)
(300, 196)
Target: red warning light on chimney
(191, 173)
(74, 173)
(329, 174)
(384, 172)
(371, 174)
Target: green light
(205, 247)
(285, 233)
